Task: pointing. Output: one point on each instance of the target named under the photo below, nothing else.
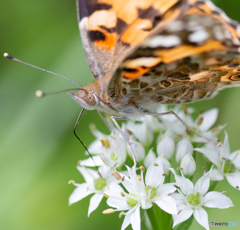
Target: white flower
(188, 165)
(111, 150)
(191, 200)
(150, 157)
(203, 125)
(142, 194)
(137, 148)
(94, 184)
(172, 123)
(166, 147)
(142, 131)
(228, 164)
(183, 148)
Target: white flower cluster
(159, 144)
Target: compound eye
(90, 99)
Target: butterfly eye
(90, 99)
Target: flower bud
(166, 147)
(138, 149)
(183, 148)
(188, 165)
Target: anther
(108, 211)
(200, 121)
(117, 175)
(107, 196)
(142, 168)
(121, 214)
(39, 93)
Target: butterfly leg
(183, 122)
(74, 131)
(124, 135)
(104, 120)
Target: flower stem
(152, 219)
(213, 185)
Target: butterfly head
(87, 99)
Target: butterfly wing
(112, 29)
(187, 61)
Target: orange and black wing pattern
(189, 60)
(113, 29)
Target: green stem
(152, 219)
(213, 185)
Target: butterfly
(144, 53)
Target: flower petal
(135, 219)
(154, 173)
(166, 147)
(137, 148)
(209, 118)
(202, 184)
(235, 157)
(126, 222)
(166, 189)
(210, 154)
(167, 203)
(183, 148)
(91, 162)
(94, 202)
(185, 184)
(182, 216)
(201, 217)
(216, 175)
(234, 179)
(88, 174)
(188, 165)
(150, 157)
(217, 200)
(79, 193)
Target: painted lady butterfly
(144, 53)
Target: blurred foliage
(37, 148)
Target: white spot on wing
(198, 36)
(162, 41)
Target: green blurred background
(37, 148)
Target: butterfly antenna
(74, 131)
(40, 93)
(6, 55)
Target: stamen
(142, 168)
(39, 93)
(205, 169)
(107, 196)
(121, 214)
(117, 175)
(200, 121)
(71, 182)
(108, 211)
